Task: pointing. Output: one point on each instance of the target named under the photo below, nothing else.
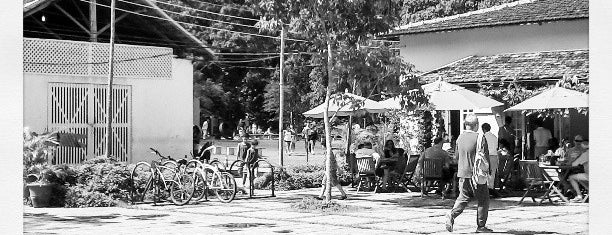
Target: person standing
(205, 129)
(467, 146)
(493, 158)
(506, 132)
(293, 138)
(541, 136)
(287, 137)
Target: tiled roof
(519, 12)
(506, 67)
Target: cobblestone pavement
(386, 213)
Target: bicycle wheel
(218, 164)
(199, 184)
(181, 189)
(236, 168)
(170, 164)
(227, 190)
(141, 179)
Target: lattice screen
(49, 56)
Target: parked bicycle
(210, 177)
(161, 179)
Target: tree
(330, 25)
(419, 10)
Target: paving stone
(338, 220)
(276, 215)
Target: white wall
(429, 51)
(162, 109)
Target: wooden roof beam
(46, 28)
(72, 18)
(106, 27)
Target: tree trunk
(328, 147)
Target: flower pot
(40, 194)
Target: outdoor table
(562, 174)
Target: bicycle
(161, 175)
(210, 177)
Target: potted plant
(38, 175)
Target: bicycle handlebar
(161, 156)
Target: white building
(66, 71)
(536, 42)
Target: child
(251, 162)
(243, 147)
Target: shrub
(299, 177)
(311, 204)
(105, 176)
(86, 196)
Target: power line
(219, 5)
(195, 25)
(197, 17)
(246, 61)
(178, 43)
(204, 11)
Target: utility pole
(111, 56)
(282, 97)
(93, 22)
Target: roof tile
(506, 67)
(522, 12)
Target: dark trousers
(466, 193)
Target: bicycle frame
(200, 168)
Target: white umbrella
(446, 96)
(554, 98)
(343, 104)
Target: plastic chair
(432, 172)
(365, 171)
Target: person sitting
(581, 175)
(575, 152)
(436, 152)
(553, 144)
(386, 164)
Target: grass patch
(311, 204)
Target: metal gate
(80, 109)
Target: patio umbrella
(554, 98)
(342, 103)
(446, 96)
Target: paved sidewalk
(387, 213)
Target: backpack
(481, 170)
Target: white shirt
(491, 142)
(541, 136)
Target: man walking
(467, 147)
(493, 158)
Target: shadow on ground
(235, 227)
(40, 218)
